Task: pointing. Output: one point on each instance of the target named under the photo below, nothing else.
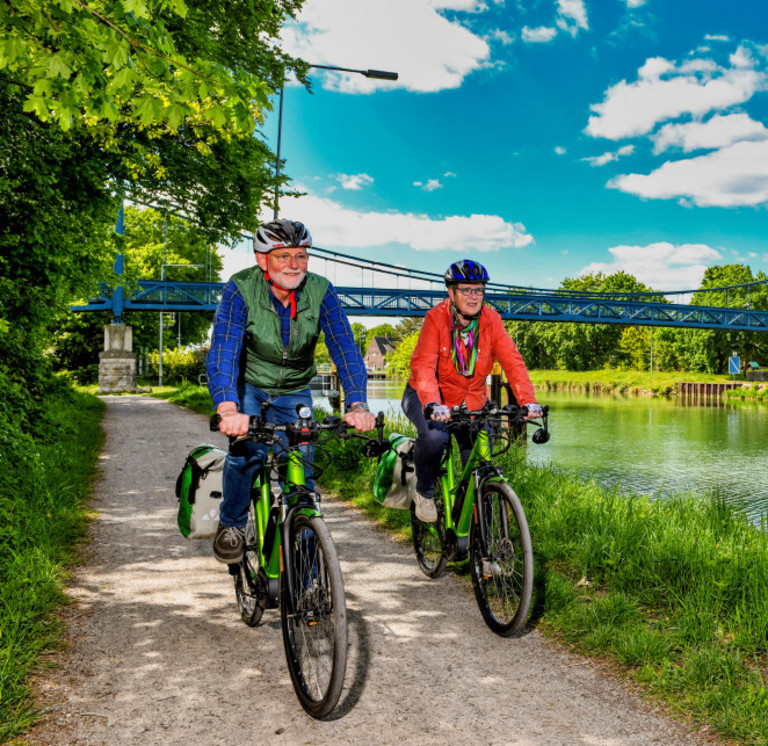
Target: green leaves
(129, 49)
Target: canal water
(656, 446)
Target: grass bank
(186, 395)
(608, 381)
(44, 486)
(673, 592)
(748, 392)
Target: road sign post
(734, 365)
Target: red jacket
(434, 376)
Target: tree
(407, 326)
(535, 342)
(156, 99)
(399, 360)
(55, 209)
(174, 91)
(594, 346)
(709, 349)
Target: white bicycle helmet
(281, 234)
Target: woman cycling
(458, 344)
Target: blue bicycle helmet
(466, 271)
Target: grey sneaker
(426, 511)
(228, 544)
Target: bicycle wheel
(315, 634)
(246, 578)
(429, 540)
(502, 561)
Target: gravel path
(157, 653)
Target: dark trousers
(431, 440)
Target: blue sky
(545, 138)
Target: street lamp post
(160, 351)
(374, 74)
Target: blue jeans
(431, 440)
(245, 457)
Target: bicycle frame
(459, 494)
(272, 519)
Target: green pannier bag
(394, 485)
(199, 489)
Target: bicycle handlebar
(305, 431)
(460, 415)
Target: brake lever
(542, 435)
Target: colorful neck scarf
(463, 345)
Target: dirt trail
(158, 654)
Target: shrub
(178, 365)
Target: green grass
(618, 381)
(186, 395)
(751, 391)
(44, 486)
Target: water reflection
(662, 446)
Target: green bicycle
(289, 559)
(480, 516)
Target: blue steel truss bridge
(390, 290)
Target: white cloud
(449, 175)
(539, 34)
(354, 182)
(717, 132)
(733, 176)
(661, 266)
(666, 91)
(717, 37)
(572, 16)
(502, 36)
(560, 150)
(635, 3)
(411, 37)
(335, 226)
(429, 186)
(601, 160)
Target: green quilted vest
(268, 365)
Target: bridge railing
(516, 304)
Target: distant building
(374, 355)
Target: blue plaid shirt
(223, 365)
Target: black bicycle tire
(515, 573)
(251, 610)
(432, 568)
(317, 700)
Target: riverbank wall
(694, 388)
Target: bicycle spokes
(314, 621)
(502, 560)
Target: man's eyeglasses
(467, 292)
(285, 258)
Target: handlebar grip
(214, 422)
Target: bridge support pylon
(117, 364)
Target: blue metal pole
(118, 301)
